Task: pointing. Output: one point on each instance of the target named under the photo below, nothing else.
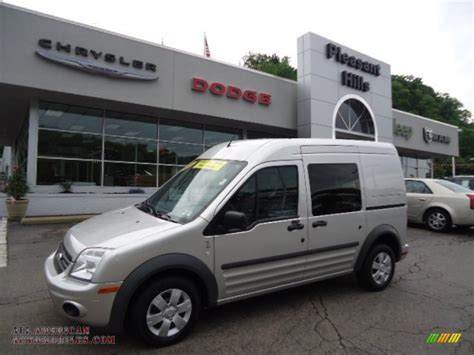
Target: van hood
(114, 229)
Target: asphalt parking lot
(432, 292)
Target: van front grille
(62, 259)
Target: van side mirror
(234, 221)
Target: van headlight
(86, 263)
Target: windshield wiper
(165, 216)
(146, 207)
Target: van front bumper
(79, 300)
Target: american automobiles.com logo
(443, 338)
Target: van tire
(155, 300)
(367, 276)
(438, 220)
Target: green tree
(412, 95)
(271, 64)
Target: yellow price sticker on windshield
(215, 165)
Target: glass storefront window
(131, 150)
(69, 145)
(70, 118)
(416, 167)
(124, 174)
(178, 154)
(424, 173)
(180, 132)
(81, 173)
(260, 135)
(133, 126)
(166, 172)
(215, 135)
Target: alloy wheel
(437, 220)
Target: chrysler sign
(96, 61)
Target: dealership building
(118, 116)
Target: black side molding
(286, 256)
(385, 233)
(151, 268)
(383, 207)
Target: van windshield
(190, 191)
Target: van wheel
(165, 311)
(378, 268)
(438, 220)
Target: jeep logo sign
(429, 137)
(402, 130)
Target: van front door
(268, 250)
(336, 221)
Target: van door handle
(295, 225)
(422, 199)
(320, 224)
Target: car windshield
(452, 186)
(190, 191)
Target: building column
(33, 125)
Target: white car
(439, 204)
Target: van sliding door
(336, 221)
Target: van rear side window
(335, 188)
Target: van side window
(335, 188)
(277, 192)
(269, 194)
(417, 187)
(244, 200)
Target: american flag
(207, 52)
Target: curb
(56, 219)
(3, 242)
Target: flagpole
(207, 52)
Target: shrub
(16, 184)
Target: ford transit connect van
(244, 219)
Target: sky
(431, 39)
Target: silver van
(244, 219)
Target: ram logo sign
(429, 137)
